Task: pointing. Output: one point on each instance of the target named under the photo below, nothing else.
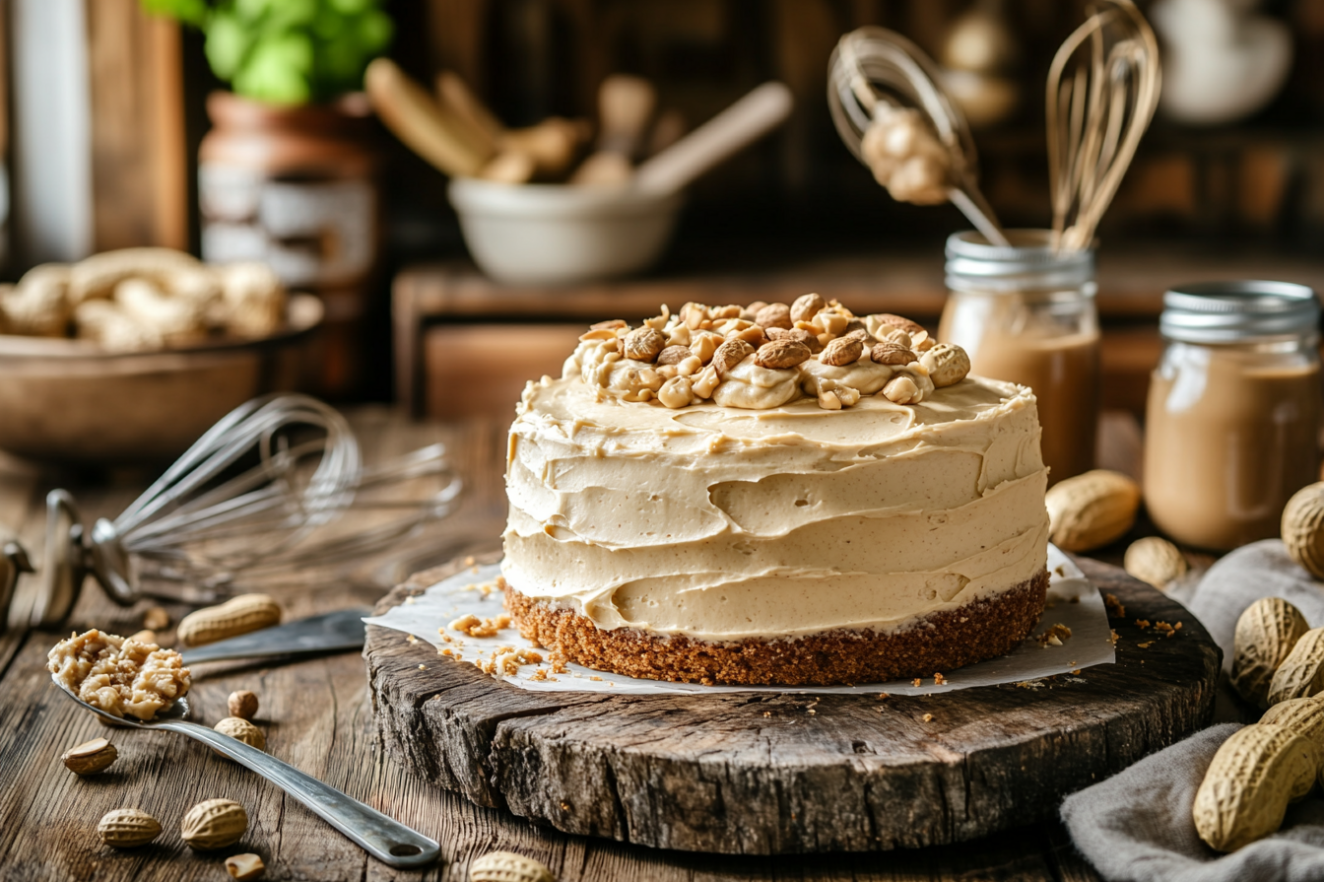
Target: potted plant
(287, 173)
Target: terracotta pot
(296, 187)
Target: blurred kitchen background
(106, 113)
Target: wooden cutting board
(756, 774)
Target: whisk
(258, 498)
(1097, 112)
(873, 72)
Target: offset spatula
(330, 632)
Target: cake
(774, 494)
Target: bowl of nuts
(131, 355)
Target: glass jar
(1232, 420)
(1027, 314)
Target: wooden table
(316, 717)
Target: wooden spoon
(625, 105)
(433, 131)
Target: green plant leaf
(350, 7)
(375, 30)
(193, 12)
(227, 43)
(269, 76)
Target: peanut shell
(506, 866)
(1154, 560)
(241, 730)
(1301, 674)
(214, 823)
(1265, 634)
(1247, 787)
(1303, 528)
(239, 615)
(127, 828)
(1091, 510)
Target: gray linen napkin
(1136, 826)
(1261, 569)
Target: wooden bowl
(70, 401)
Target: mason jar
(1026, 314)
(1232, 421)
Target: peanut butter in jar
(1232, 420)
(1027, 314)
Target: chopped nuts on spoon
(119, 676)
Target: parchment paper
(1073, 601)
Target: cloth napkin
(1261, 569)
(1137, 824)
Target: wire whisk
(889, 107)
(259, 498)
(1103, 88)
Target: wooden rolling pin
(625, 105)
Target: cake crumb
(767, 713)
(422, 667)
(469, 561)
(1054, 635)
(917, 682)
(475, 627)
(1142, 624)
(539, 675)
(1076, 671)
(1114, 606)
(411, 639)
(882, 696)
(595, 678)
(939, 680)
(1113, 637)
(928, 718)
(1146, 644)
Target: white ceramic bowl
(559, 234)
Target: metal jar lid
(1231, 312)
(1031, 263)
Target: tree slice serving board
(757, 774)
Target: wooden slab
(753, 774)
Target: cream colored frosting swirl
(723, 522)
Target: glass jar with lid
(1027, 314)
(1232, 420)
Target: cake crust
(938, 643)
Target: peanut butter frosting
(756, 508)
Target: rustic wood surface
(318, 716)
(751, 773)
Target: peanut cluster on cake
(765, 355)
(774, 494)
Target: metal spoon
(389, 841)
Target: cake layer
(723, 524)
(936, 643)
